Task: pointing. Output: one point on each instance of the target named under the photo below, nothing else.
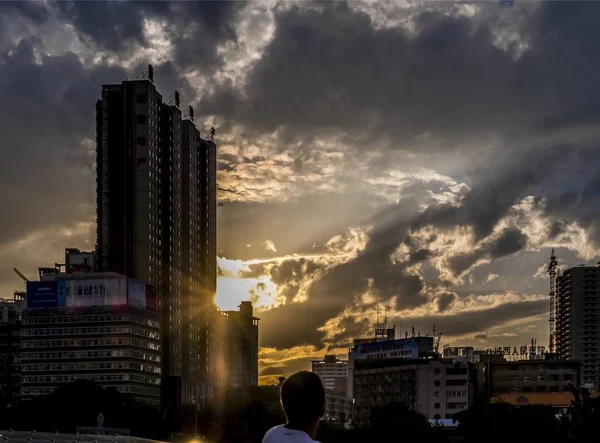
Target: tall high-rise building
(578, 320)
(199, 248)
(156, 212)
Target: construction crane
(436, 347)
(552, 268)
(20, 275)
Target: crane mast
(552, 273)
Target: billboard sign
(136, 293)
(104, 291)
(42, 294)
(407, 348)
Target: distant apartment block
(333, 372)
(578, 320)
(238, 335)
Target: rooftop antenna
(385, 317)
(191, 112)
(211, 134)
(151, 73)
(177, 100)
(413, 331)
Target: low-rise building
(102, 327)
(383, 347)
(338, 407)
(333, 373)
(531, 376)
(436, 388)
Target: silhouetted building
(338, 407)
(156, 213)
(333, 372)
(239, 338)
(79, 261)
(578, 320)
(10, 348)
(199, 250)
(102, 327)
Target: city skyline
(425, 162)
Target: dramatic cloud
(418, 157)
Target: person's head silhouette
(303, 401)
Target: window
(141, 119)
(513, 390)
(142, 98)
(513, 378)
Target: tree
(504, 422)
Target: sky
(419, 157)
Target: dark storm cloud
(111, 25)
(336, 71)
(420, 255)
(61, 108)
(478, 321)
(273, 370)
(510, 241)
(195, 27)
(445, 301)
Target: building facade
(102, 327)
(338, 407)
(528, 376)
(238, 337)
(333, 373)
(436, 388)
(199, 260)
(578, 320)
(383, 346)
(156, 214)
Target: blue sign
(62, 293)
(42, 294)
